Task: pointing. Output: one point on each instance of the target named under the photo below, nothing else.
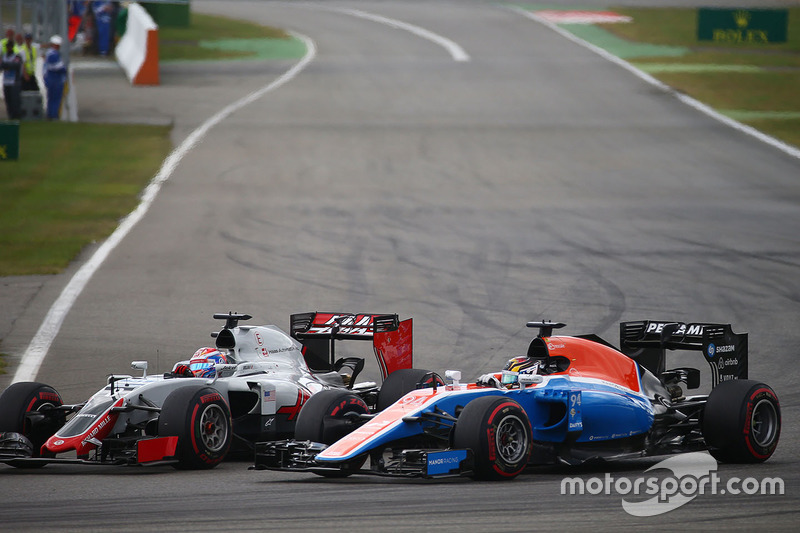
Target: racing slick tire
(25, 397)
(201, 419)
(498, 432)
(742, 421)
(401, 382)
(324, 418)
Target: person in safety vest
(30, 48)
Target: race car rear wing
(392, 339)
(647, 342)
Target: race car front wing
(300, 456)
(16, 450)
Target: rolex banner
(742, 26)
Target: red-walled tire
(499, 433)
(25, 397)
(322, 418)
(401, 382)
(742, 421)
(201, 419)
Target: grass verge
(70, 186)
(73, 181)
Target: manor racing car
(252, 390)
(569, 400)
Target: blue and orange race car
(570, 399)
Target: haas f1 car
(569, 400)
(249, 388)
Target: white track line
(456, 52)
(34, 355)
(688, 100)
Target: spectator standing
(55, 76)
(12, 64)
(30, 48)
(102, 18)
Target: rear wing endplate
(647, 341)
(392, 339)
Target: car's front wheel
(742, 421)
(328, 416)
(26, 408)
(201, 419)
(498, 432)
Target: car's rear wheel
(742, 421)
(401, 382)
(24, 409)
(201, 419)
(498, 432)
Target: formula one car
(569, 400)
(247, 389)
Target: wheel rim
(511, 439)
(764, 423)
(213, 428)
(26, 422)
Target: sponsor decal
(348, 325)
(281, 350)
(98, 427)
(444, 462)
(574, 422)
(213, 397)
(49, 396)
(714, 350)
(693, 330)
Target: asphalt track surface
(536, 180)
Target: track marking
(456, 52)
(688, 100)
(34, 355)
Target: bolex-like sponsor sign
(742, 26)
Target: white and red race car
(252, 393)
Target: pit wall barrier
(137, 51)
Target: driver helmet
(516, 366)
(202, 362)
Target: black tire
(26, 397)
(742, 421)
(401, 382)
(201, 419)
(498, 432)
(322, 418)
